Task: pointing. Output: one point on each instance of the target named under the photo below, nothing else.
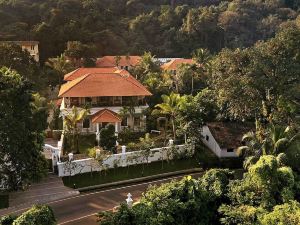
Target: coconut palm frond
(242, 151)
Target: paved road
(87, 205)
(81, 210)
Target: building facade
(113, 96)
(31, 46)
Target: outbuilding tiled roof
(110, 61)
(103, 84)
(106, 116)
(83, 71)
(229, 134)
(174, 63)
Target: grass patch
(131, 172)
(4, 200)
(85, 142)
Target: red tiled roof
(83, 71)
(229, 134)
(174, 63)
(103, 84)
(110, 61)
(105, 116)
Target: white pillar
(97, 153)
(124, 156)
(171, 142)
(98, 134)
(70, 156)
(116, 127)
(129, 200)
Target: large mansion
(112, 95)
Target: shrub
(56, 134)
(37, 215)
(108, 138)
(127, 136)
(7, 220)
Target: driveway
(50, 189)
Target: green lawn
(119, 174)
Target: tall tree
(21, 137)
(60, 64)
(71, 120)
(171, 106)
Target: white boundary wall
(117, 160)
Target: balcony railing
(106, 102)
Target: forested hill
(167, 28)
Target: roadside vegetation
(127, 173)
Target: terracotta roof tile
(229, 134)
(83, 71)
(105, 116)
(110, 61)
(174, 63)
(103, 84)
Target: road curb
(140, 179)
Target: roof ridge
(80, 79)
(71, 73)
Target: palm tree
(276, 140)
(171, 106)
(71, 120)
(61, 64)
(202, 59)
(129, 110)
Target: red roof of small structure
(106, 116)
(110, 61)
(103, 84)
(174, 63)
(83, 71)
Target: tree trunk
(174, 128)
(192, 91)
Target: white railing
(71, 168)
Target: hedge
(4, 200)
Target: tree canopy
(21, 136)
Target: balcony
(119, 101)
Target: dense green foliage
(23, 120)
(268, 74)
(167, 28)
(267, 194)
(37, 215)
(108, 138)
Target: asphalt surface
(82, 209)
